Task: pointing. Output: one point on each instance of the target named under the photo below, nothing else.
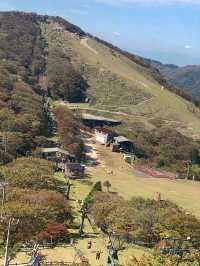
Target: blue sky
(166, 30)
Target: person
(89, 244)
(98, 255)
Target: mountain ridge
(185, 78)
(163, 73)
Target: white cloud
(148, 2)
(116, 33)
(187, 46)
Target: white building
(103, 136)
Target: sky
(164, 30)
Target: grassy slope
(128, 183)
(118, 84)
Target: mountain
(120, 82)
(186, 78)
(47, 56)
(48, 66)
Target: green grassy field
(129, 184)
(80, 189)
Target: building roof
(49, 150)
(121, 139)
(56, 149)
(74, 166)
(86, 116)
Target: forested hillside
(185, 78)
(34, 194)
(22, 61)
(25, 61)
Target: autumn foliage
(149, 221)
(69, 126)
(53, 232)
(35, 197)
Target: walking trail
(84, 42)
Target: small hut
(74, 170)
(122, 144)
(58, 156)
(55, 152)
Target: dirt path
(84, 42)
(77, 107)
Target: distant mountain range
(186, 78)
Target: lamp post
(3, 187)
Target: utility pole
(7, 243)
(5, 141)
(3, 186)
(10, 223)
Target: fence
(156, 173)
(52, 263)
(44, 246)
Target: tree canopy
(148, 221)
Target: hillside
(58, 60)
(50, 73)
(112, 79)
(115, 82)
(22, 61)
(186, 78)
